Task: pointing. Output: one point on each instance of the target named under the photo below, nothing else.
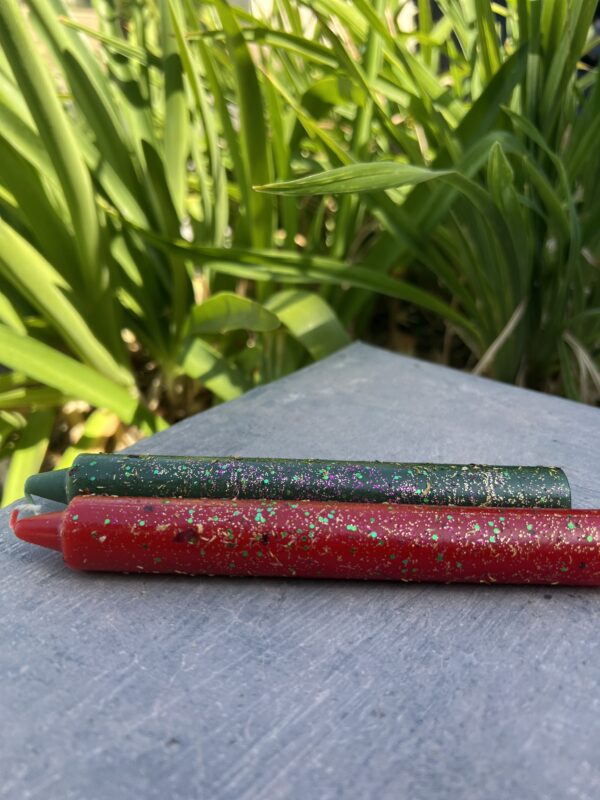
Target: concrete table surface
(181, 688)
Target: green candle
(304, 479)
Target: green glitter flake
(351, 528)
(373, 534)
(440, 557)
(75, 517)
(496, 530)
(564, 569)
(141, 522)
(570, 525)
(435, 537)
(477, 526)
(190, 520)
(107, 521)
(590, 538)
(492, 539)
(459, 565)
(529, 526)
(245, 553)
(491, 524)
(450, 517)
(358, 476)
(392, 556)
(259, 517)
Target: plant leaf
(310, 320)
(52, 368)
(36, 85)
(38, 282)
(226, 311)
(204, 363)
(356, 178)
(28, 455)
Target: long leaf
(253, 134)
(28, 455)
(201, 361)
(226, 311)
(56, 132)
(356, 178)
(36, 279)
(52, 368)
(310, 320)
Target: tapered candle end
(50, 485)
(43, 529)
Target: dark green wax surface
(359, 481)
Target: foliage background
(435, 181)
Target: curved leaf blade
(356, 178)
(310, 320)
(226, 311)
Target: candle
(272, 478)
(316, 539)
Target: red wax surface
(329, 540)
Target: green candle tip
(49, 485)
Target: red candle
(309, 539)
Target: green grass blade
(177, 122)
(356, 178)
(204, 363)
(36, 208)
(310, 320)
(38, 282)
(489, 47)
(52, 368)
(218, 212)
(29, 454)
(34, 397)
(253, 133)
(98, 427)
(312, 51)
(297, 268)
(226, 311)
(486, 109)
(56, 132)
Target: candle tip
(43, 529)
(49, 485)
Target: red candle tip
(43, 529)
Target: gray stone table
(177, 688)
